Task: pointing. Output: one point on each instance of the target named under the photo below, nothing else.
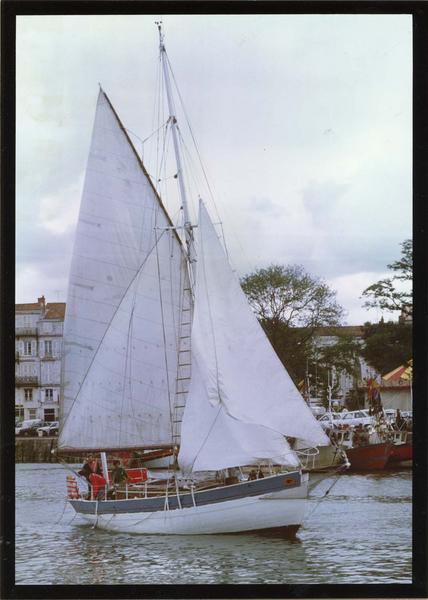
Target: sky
(303, 123)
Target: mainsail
(123, 311)
(241, 402)
(127, 360)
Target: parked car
(391, 416)
(29, 428)
(351, 418)
(48, 429)
(391, 413)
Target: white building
(394, 393)
(38, 351)
(329, 336)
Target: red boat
(370, 457)
(401, 452)
(402, 449)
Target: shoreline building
(395, 392)
(329, 336)
(38, 353)
(39, 350)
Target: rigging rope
(203, 168)
(207, 436)
(164, 339)
(127, 355)
(63, 511)
(202, 265)
(192, 135)
(339, 469)
(108, 327)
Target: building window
(19, 412)
(49, 414)
(49, 395)
(27, 348)
(48, 348)
(32, 413)
(28, 394)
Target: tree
(387, 345)
(290, 305)
(384, 294)
(334, 359)
(289, 295)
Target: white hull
(278, 510)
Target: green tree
(342, 356)
(290, 305)
(387, 345)
(385, 294)
(334, 359)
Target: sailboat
(163, 353)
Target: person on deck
(90, 466)
(399, 420)
(118, 474)
(252, 475)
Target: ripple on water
(360, 533)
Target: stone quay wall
(35, 450)
(41, 450)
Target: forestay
(123, 304)
(241, 400)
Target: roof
(402, 372)
(33, 306)
(53, 310)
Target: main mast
(184, 339)
(174, 127)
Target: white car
(352, 417)
(391, 413)
(49, 429)
(28, 427)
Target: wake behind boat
(163, 353)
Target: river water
(361, 532)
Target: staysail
(122, 319)
(241, 396)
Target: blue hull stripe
(257, 487)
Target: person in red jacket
(90, 466)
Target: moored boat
(372, 457)
(365, 448)
(402, 449)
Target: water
(359, 533)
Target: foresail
(211, 439)
(241, 373)
(123, 304)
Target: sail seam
(210, 316)
(107, 329)
(164, 334)
(207, 436)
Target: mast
(184, 341)
(174, 127)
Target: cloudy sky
(303, 123)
